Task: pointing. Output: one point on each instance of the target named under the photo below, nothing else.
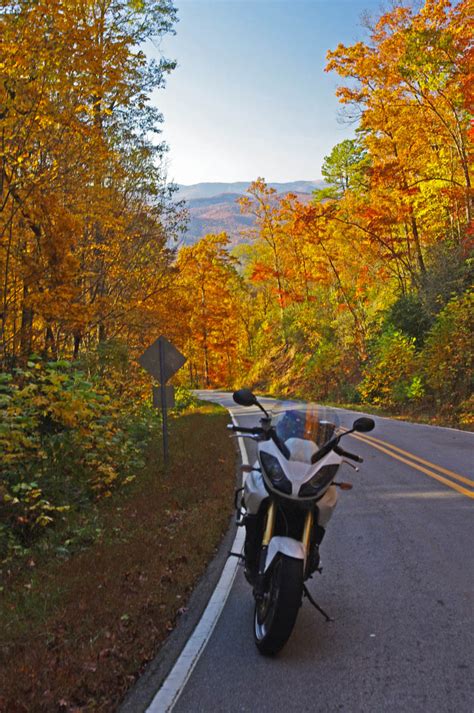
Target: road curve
(397, 577)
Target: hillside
(213, 207)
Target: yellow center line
(462, 478)
(439, 478)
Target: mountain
(210, 190)
(213, 207)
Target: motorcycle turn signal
(343, 486)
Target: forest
(361, 296)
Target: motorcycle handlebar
(341, 452)
(256, 430)
(265, 434)
(333, 444)
(324, 450)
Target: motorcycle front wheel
(276, 614)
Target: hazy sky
(250, 96)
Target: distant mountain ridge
(213, 207)
(209, 190)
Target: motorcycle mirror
(363, 424)
(244, 397)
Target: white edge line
(168, 694)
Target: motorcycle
(285, 505)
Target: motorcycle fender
(287, 546)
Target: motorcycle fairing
(326, 505)
(298, 472)
(255, 491)
(287, 546)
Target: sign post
(164, 411)
(161, 359)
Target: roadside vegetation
(96, 596)
(71, 435)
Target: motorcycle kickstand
(315, 605)
(238, 555)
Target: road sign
(169, 396)
(162, 360)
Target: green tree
(447, 357)
(343, 169)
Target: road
(397, 577)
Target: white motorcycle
(286, 502)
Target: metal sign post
(169, 392)
(164, 411)
(162, 360)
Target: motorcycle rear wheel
(275, 616)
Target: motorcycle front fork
(259, 588)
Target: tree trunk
(26, 328)
(50, 343)
(77, 344)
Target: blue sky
(250, 96)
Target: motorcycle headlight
(275, 473)
(318, 482)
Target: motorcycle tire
(275, 616)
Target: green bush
(65, 441)
(390, 377)
(408, 315)
(349, 394)
(184, 398)
(447, 358)
(322, 370)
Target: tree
(210, 330)
(343, 169)
(407, 85)
(83, 206)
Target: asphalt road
(397, 577)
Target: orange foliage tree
(409, 84)
(207, 288)
(83, 204)
(387, 242)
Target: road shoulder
(141, 695)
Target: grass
(77, 631)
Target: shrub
(447, 356)
(466, 413)
(65, 441)
(349, 394)
(390, 377)
(408, 315)
(184, 398)
(324, 371)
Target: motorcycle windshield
(303, 423)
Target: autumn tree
(407, 83)
(261, 202)
(210, 329)
(390, 232)
(83, 197)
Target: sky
(250, 96)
